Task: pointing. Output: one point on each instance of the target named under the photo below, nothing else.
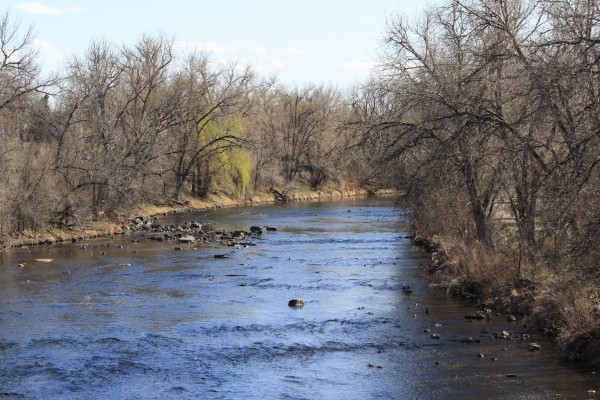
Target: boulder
(187, 239)
(297, 303)
(155, 225)
(477, 316)
(139, 220)
(256, 230)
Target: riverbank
(560, 305)
(120, 222)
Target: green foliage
(229, 165)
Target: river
(125, 319)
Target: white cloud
(360, 67)
(48, 51)
(260, 50)
(38, 8)
(202, 46)
(293, 50)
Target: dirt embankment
(120, 223)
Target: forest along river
(148, 322)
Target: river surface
(148, 322)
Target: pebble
(534, 347)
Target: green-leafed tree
(225, 166)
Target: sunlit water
(148, 322)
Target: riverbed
(130, 318)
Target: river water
(140, 320)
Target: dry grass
(571, 312)
(568, 309)
(474, 269)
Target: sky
(333, 42)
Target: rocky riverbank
(557, 306)
(122, 222)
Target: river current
(124, 319)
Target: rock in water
(296, 303)
(534, 347)
(187, 239)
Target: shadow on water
(124, 319)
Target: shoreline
(525, 299)
(122, 224)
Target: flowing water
(148, 322)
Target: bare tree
(438, 75)
(302, 122)
(20, 86)
(19, 70)
(115, 114)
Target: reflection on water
(124, 319)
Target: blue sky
(321, 41)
